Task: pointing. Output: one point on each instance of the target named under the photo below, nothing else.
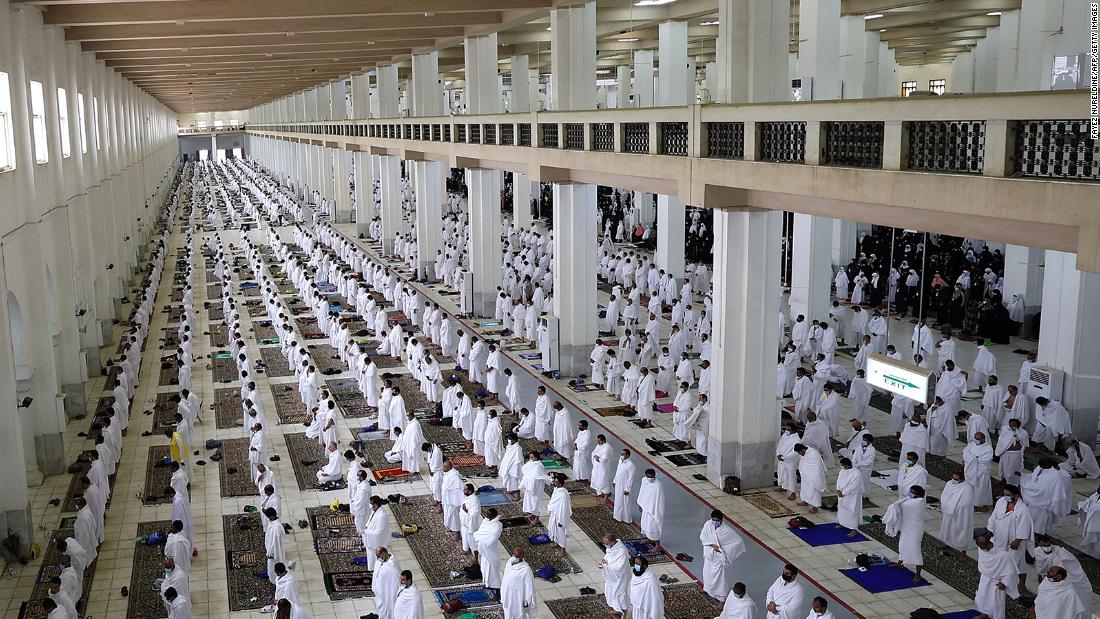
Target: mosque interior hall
(549, 309)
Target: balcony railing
(1038, 135)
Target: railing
(1038, 135)
(199, 130)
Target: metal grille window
(1057, 149)
(460, 134)
(857, 144)
(947, 146)
(525, 134)
(372, 131)
(726, 140)
(574, 136)
(416, 132)
(490, 132)
(603, 137)
(549, 132)
(783, 142)
(908, 87)
(937, 86)
(407, 131)
(436, 133)
(674, 139)
(636, 138)
(446, 133)
(508, 134)
(475, 134)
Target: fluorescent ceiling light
(629, 40)
(993, 13)
(603, 71)
(882, 30)
(653, 2)
(873, 16)
(709, 23)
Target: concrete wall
(192, 120)
(191, 144)
(921, 74)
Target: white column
(364, 192)
(521, 85)
(338, 94)
(428, 184)
(390, 181)
(888, 72)
(484, 245)
(858, 58)
(985, 76)
(643, 78)
(1023, 275)
(673, 83)
(744, 413)
(1070, 338)
(962, 73)
(360, 96)
(573, 57)
(811, 274)
(521, 201)
(752, 51)
(819, 46)
(670, 236)
(623, 89)
(425, 91)
(482, 82)
(575, 304)
(844, 241)
(343, 185)
(1008, 45)
(388, 91)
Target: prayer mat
(614, 411)
(345, 585)
(250, 291)
(686, 459)
(235, 456)
(410, 391)
(214, 291)
(112, 376)
(264, 330)
(302, 450)
(961, 574)
(307, 326)
(227, 408)
(103, 405)
(477, 390)
(323, 359)
(666, 408)
(394, 474)
(883, 578)
(177, 295)
(275, 364)
(597, 521)
(245, 559)
(344, 390)
(148, 560)
(962, 614)
(169, 372)
(436, 552)
(157, 478)
(532, 356)
(328, 545)
(324, 518)
(219, 337)
(171, 340)
(826, 535)
(493, 498)
(67, 506)
(473, 596)
(519, 348)
(384, 362)
(770, 506)
(164, 412)
(50, 567)
(289, 406)
(215, 313)
(642, 548)
(667, 446)
(224, 369)
(471, 465)
(175, 314)
(585, 388)
(682, 601)
(256, 311)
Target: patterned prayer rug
(227, 408)
(307, 457)
(175, 313)
(307, 326)
(538, 555)
(112, 376)
(473, 596)
(375, 452)
(245, 558)
(215, 313)
(289, 406)
(50, 568)
(410, 391)
(157, 478)
(219, 336)
(169, 371)
(144, 601)
(770, 506)
(323, 359)
(614, 411)
(597, 521)
(214, 291)
(164, 412)
(350, 400)
(437, 553)
(682, 601)
(692, 459)
(224, 368)
(277, 366)
(476, 390)
(338, 545)
(235, 458)
(263, 330)
(171, 340)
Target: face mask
(953, 481)
(716, 523)
(738, 596)
(911, 495)
(515, 560)
(912, 462)
(651, 479)
(622, 459)
(867, 443)
(637, 569)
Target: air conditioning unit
(466, 292)
(550, 346)
(1045, 382)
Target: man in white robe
(1012, 529)
(273, 543)
(1089, 515)
(912, 473)
(407, 603)
(469, 518)
(785, 596)
(582, 452)
(721, 547)
(386, 581)
(560, 510)
(533, 480)
(1058, 598)
(624, 483)
(360, 500)
(977, 460)
(1047, 492)
(849, 492)
(562, 430)
(517, 588)
(412, 441)
(906, 516)
(1011, 443)
(999, 575)
(1051, 422)
(334, 469)
(651, 502)
(738, 604)
(377, 531)
(787, 462)
(453, 496)
(647, 599)
(510, 464)
(602, 461)
(487, 538)
(1048, 555)
(1080, 460)
(957, 505)
(812, 483)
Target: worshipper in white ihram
(386, 581)
(998, 577)
(517, 588)
(1010, 524)
(647, 599)
(906, 516)
(738, 604)
(377, 529)
(487, 538)
(624, 482)
(602, 461)
(1089, 516)
(957, 505)
(651, 501)
(616, 567)
(721, 547)
(787, 462)
(977, 460)
(785, 596)
(533, 480)
(560, 510)
(1048, 555)
(849, 490)
(1057, 597)
(408, 604)
(812, 482)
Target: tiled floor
(208, 576)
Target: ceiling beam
(308, 38)
(386, 47)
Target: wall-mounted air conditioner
(1045, 382)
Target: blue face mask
(651, 479)
(716, 523)
(637, 569)
(515, 560)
